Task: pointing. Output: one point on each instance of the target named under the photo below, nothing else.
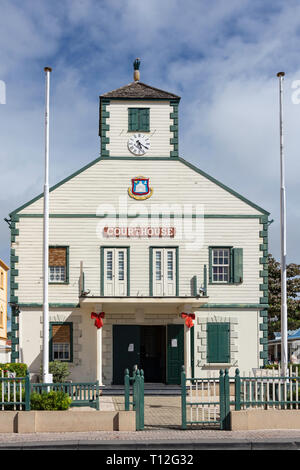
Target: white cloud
(221, 57)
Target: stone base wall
(264, 419)
(65, 421)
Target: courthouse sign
(131, 232)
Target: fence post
(137, 400)
(27, 391)
(237, 390)
(142, 400)
(134, 388)
(126, 389)
(97, 396)
(222, 400)
(227, 400)
(183, 399)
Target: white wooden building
(143, 236)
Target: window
(218, 343)
(115, 277)
(58, 264)
(61, 342)
(220, 264)
(225, 265)
(2, 280)
(138, 119)
(1, 316)
(163, 274)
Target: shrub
(19, 368)
(51, 401)
(59, 370)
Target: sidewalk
(158, 439)
(162, 431)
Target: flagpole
(46, 376)
(284, 342)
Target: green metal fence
(15, 393)
(266, 392)
(208, 401)
(81, 393)
(135, 384)
(200, 401)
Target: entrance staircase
(149, 389)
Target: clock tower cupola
(138, 120)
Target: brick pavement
(155, 435)
(162, 419)
(160, 411)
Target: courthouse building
(152, 262)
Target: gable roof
(194, 168)
(139, 90)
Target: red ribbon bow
(189, 317)
(98, 318)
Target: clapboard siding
(101, 186)
(159, 133)
(80, 234)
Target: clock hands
(141, 145)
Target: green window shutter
(218, 342)
(237, 265)
(144, 119)
(133, 119)
(210, 265)
(67, 264)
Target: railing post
(97, 396)
(237, 390)
(127, 389)
(183, 398)
(134, 387)
(142, 400)
(137, 400)
(222, 400)
(27, 391)
(227, 400)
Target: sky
(221, 57)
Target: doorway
(158, 350)
(153, 353)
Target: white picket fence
(12, 392)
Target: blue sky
(221, 57)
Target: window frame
(51, 356)
(126, 266)
(66, 281)
(230, 273)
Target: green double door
(158, 350)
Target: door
(126, 350)
(164, 272)
(153, 353)
(175, 353)
(115, 272)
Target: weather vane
(136, 67)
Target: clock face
(138, 144)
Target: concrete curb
(225, 444)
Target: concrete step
(149, 389)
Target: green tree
(293, 300)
